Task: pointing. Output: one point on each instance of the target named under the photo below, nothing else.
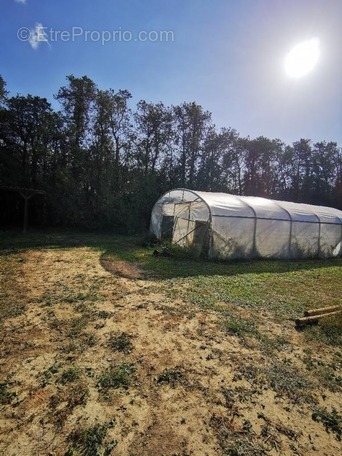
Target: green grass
(282, 289)
(121, 342)
(48, 375)
(237, 326)
(90, 441)
(70, 375)
(329, 331)
(280, 376)
(171, 376)
(6, 396)
(332, 421)
(118, 377)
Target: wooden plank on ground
(322, 310)
(315, 318)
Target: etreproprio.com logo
(40, 34)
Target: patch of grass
(238, 394)
(63, 403)
(118, 377)
(6, 397)
(270, 429)
(76, 325)
(70, 375)
(91, 441)
(103, 314)
(281, 377)
(332, 421)
(326, 373)
(239, 446)
(236, 441)
(236, 325)
(286, 380)
(12, 291)
(282, 288)
(170, 376)
(90, 339)
(270, 344)
(90, 296)
(62, 293)
(78, 394)
(48, 375)
(329, 379)
(121, 342)
(328, 331)
(56, 323)
(11, 310)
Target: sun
(302, 58)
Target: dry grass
(108, 350)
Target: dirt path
(100, 358)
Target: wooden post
(27, 194)
(25, 214)
(314, 318)
(322, 310)
(26, 197)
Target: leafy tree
(152, 134)
(301, 172)
(192, 124)
(27, 132)
(325, 158)
(3, 91)
(216, 166)
(102, 165)
(260, 166)
(77, 100)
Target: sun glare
(302, 58)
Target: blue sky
(226, 55)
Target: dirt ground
(99, 359)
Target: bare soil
(191, 390)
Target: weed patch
(281, 377)
(118, 377)
(238, 394)
(235, 325)
(70, 375)
(77, 325)
(48, 375)
(170, 376)
(271, 344)
(121, 342)
(328, 331)
(11, 310)
(103, 314)
(91, 441)
(332, 421)
(6, 397)
(236, 441)
(64, 402)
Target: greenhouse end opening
(224, 226)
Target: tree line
(103, 164)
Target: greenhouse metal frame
(225, 226)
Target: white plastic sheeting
(224, 226)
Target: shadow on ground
(125, 256)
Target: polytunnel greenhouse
(224, 226)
